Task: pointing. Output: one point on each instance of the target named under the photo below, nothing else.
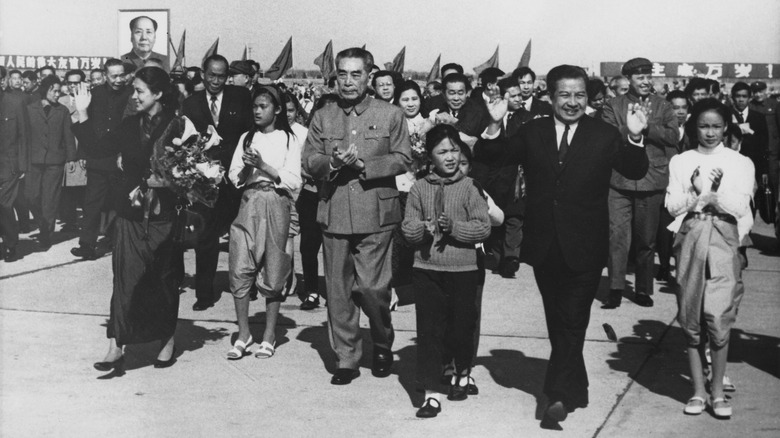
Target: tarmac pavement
(53, 311)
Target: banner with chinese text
(715, 70)
(27, 62)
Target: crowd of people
(403, 186)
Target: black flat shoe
(312, 301)
(472, 387)
(614, 299)
(556, 411)
(166, 363)
(200, 306)
(344, 376)
(108, 366)
(458, 393)
(429, 409)
(383, 362)
(11, 255)
(84, 252)
(643, 300)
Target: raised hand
(81, 97)
(498, 108)
(637, 118)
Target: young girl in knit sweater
(445, 217)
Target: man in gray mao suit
(357, 148)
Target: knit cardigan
(462, 202)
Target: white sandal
(695, 406)
(239, 349)
(266, 350)
(724, 410)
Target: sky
(582, 32)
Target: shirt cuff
(641, 143)
(486, 136)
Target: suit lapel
(550, 143)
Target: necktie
(564, 148)
(214, 111)
(740, 119)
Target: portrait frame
(161, 16)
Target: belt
(704, 215)
(267, 186)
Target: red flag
(435, 73)
(364, 47)
(212, 50)
(492, 62)
(283, 63)
(245, 56)
(398, 62)
(179, 62)
(525, 60)
(325, 62)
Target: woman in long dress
(145, 299)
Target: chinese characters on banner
(24, 62)
(714, 70)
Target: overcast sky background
(563, 31)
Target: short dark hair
(452, 66)
(695, 84)
(713, 86)
(113, 62)
(519, 72)
(739, 86)
(594, 87)
(30, 75)
(215, 58)
(564, 71)
(489, 76)
(406, 86)
(159, 81)
(46, 84)
(440, 132)
(15, 72)
(436, 85)
(46, 67)
(507, 83)
(455, 77)
(357, 52)
(676, 94)
(134, 21)
(381, 74)
(702, 106)
(76, 72)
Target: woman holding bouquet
(145, 299)
(268, 165)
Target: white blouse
(278, 152)
(734, 194)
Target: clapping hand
(637, 118)
(430, 226)
(446, 118)
(252, 158)
(715, 176)
(444, 222)
(696, 180)
(345, 158)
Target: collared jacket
(353, 202)
(660, 138)
(106, 110)
(13, 148)
(49, 138)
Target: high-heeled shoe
(108, 366)
(166, 363)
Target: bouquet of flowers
(179, 162)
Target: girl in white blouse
(267, 164)
(710, 189)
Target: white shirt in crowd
(278, 152)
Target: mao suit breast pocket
(377, 142)
(389, 207)
(333, 142)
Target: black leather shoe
(85, 252)
(472, 387)
(429, 409)
(11, 255)
(166, 363)
(344, 376)
(643, 300)
(664, 274)
(108, 366)
(509, 267)
(556, 411)
(458, 393)
(613, 301)
(201, 305)
(383, 362)
(312, 301)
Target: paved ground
(52, 327)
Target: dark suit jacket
(49, 138)
(235, 118)
(106, 112)
(473, 116)
(754, 146)
(539, 108)
(566, 204)
(495, 167)
(13, 147)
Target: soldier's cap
(637, 66)
(757, 86)
(240, 67)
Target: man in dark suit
(568, 160)
(143, 34)
(495, 167)
(13, 165)
(468, 116)
(229, 109)
(532, 107)
(356, 148)
(438, 101)
(755, 136)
